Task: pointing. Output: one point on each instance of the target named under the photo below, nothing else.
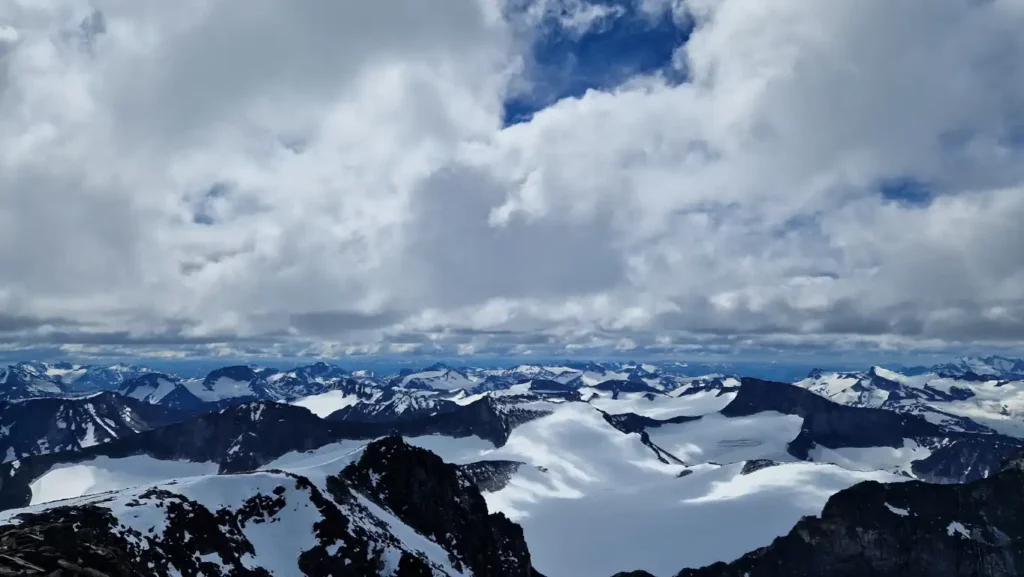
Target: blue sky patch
(906, 190)
(565, 63)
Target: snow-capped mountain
(239, 384)
(35, 379)
(387, 510)
(970, 405)
(991, 368)
(247, 383)
(52, 425)
(435, 377)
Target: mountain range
(319, 470)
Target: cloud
(299, 177)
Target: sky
(764, 179)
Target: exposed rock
(441, 503)
(756, 465)
(490, 476)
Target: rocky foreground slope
(911, 529)
(393, 510)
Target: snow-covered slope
(580, 471)
(324, 404)
(103, 474)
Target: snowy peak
(44, 379)
(964, 403)
(437, 377)
(975, 368)
(308, 380)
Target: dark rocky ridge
(827, 423)
(349, 540)
(50, 425)
(956, 456)
(633, 423)
(911, 529)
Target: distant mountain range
(259, 471)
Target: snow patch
(957, 528)
(897, 510)
(326, 403)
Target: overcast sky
(654, 177)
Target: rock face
(441, 503)
(911, 529)
(490, 476)
(826, 423)
(396, 512)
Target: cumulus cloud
(336, 178)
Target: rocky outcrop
(965, 458)
(441, 503)
(910, 529)
(490, 476)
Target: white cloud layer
(333, 177)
